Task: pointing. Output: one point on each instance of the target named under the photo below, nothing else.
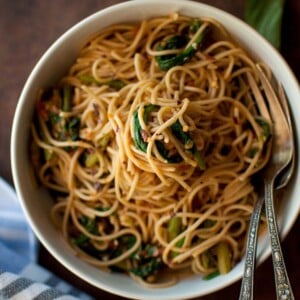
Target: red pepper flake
(236, 120)
(191, 82)
(144, 135)
(209, 57)
(42, 110)
(172, 214)
(184, 167)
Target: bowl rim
(19, 111)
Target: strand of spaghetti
(200, 218)
(110, 262)
(70, 198)
(60, 187)
(138, 66)
(132, 195)
(164, 126)
(138, 37)
(139, 220)
(57, 143)
(195, 251)
(92, 212)
(45, 145)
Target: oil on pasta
(149, 145)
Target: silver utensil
(282, 159)
(285, 177)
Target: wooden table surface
(28, 28)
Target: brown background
(28, 28)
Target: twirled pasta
(149, 144)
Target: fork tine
(284, 103)
(264, 112)
(276, 111)
(270, 95)
(286, 176)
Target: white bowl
(55, 62)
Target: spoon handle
(283, 286)
(246, 292)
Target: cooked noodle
(151, 168)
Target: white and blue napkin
(21, 278)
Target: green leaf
(138, 138)
(266, 17)
(166, 62)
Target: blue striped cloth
(21, 278)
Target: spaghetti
(149, 144)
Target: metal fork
(282, 155)
(286, 176)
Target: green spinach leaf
(266, 17)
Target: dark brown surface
(28, 28)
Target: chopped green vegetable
(80, 240)
(266, 17)
(55, 119)
(147, 261)
(179, 244)
(90, 225)
(174, 228)
(66, 98)
(165, 62)
(207, 259)
(140, 136)
(172, 43)
(195, 24)
(147, 269)
(175, 158)
(139, 139)
(211, 275)
(64, 128)
(188, 143)
(104, 140)
(224, 258)
(124, 243)
(91, 160)
(199, 158)
(72, 128)
(88, 79)
(116, 84)
(252, 152)
(128, 240)
(182, 136)
(48, 154)
(265, 127)
(209, 223)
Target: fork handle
(283, 286)
(246, 292)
